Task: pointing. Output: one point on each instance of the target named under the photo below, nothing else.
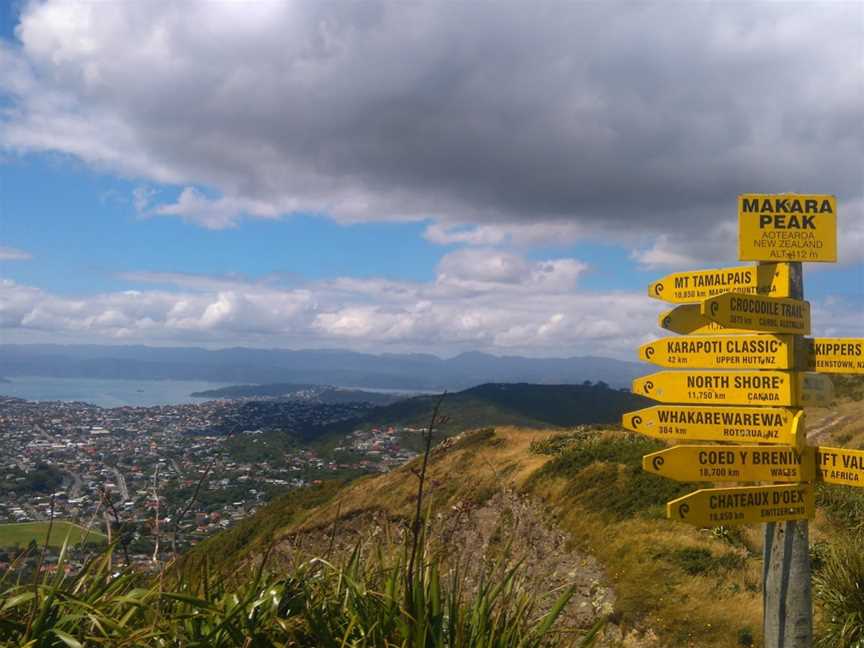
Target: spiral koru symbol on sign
(649, 352)
(714, 308)
(636, 421)
(657, 462)
(658, 288)
(649, 386)
(683, 510)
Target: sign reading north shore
(775, 425)
(787, 227)
(721, 352)
(719, 463)
(721, 387)
(835, 355)
(840, 466)
(687, 320)
(756, 313)
(747, 505)
(770, 279)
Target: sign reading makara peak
(787, 227)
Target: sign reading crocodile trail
(835, 355)
(721, 387)
(719, 463)
(840, 466)
(747, 505)
(721, 352)
(787, 227)
(687, 320)
(756, 313)
(775, 425)
(770, 279)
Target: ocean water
(107, 392)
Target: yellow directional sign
(757, 313)
(787, 227)
(840, 466)
(747, 505)
(771, 279)
(775, 425)
(721, 387)
(741, 463)
(687, 320)
(835, 355)
(721, 352)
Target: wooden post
(786, 590)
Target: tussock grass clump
(843, 505)
(369, 600)
(839, 589)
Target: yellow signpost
(726, 463)
(775, 425)
(757, 313)
(771, 279)
(721, 387)
(835, 355)
(721, 352)
(744, 505)
(735, 319)
(688, 320)
(840, 466)
(787, 227)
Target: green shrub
(839, 589)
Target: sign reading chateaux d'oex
(787, 227)
(772, 280)
(746, 505)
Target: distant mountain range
(322, 367)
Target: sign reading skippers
(775, 425)
(835, 355)
(770, 279)
(721, 352)
(787, 227)
(748, 505)
(756, 313)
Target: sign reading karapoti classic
(774, 425)
(721, 352)
(757, 313)
(770, 279)
(835, 355)
(787, 227)
(725, 463)
(746, 505)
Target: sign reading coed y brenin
(787, 227)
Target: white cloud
(500, 124)
(13, 254)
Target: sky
(409, 177)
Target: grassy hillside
(22, 534)
(517, 404)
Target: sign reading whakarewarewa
(743, 463)
(775, 425)
(747, 505)
(787, 227)
(770, 279)
(721, 352)
(757, 313)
